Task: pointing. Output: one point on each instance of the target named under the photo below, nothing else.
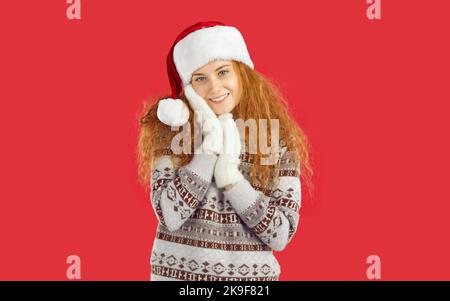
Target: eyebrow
(228, 65)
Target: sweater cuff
(241, 196)
(203, 165)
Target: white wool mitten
(227, 171)
(211, 128)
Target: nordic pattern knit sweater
(206, 233)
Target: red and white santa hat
(195, 47)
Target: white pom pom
(172, 112)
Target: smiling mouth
(219, 99)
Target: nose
(216, 85)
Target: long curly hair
(259, 99)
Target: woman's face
(218, 83)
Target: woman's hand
(211, 128)
(227, 171)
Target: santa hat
(195, 47)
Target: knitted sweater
(206, 233)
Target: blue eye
(203, 78)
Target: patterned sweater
(206, 233)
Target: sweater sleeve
(273, 219)
(176, 194)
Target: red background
(372, 97)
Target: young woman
(222, 207)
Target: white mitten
(227, 171)
(211, 128)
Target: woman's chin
(220, 112)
